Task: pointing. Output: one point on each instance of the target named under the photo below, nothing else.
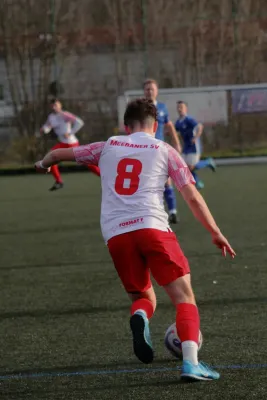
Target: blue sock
(195, 175)
(170, 198)
(199, 183)
(202, 164)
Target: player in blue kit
(151, 93)
(191, 131)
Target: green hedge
(16, 169)
(29, 169)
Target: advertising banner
(249, 101)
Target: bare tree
(125, 26)
(22, 35)
(35, 41)
(249, 43)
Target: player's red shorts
(137, 253)
(64, 145)
(93, 168)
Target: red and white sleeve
(69, 117)
(89, 153)
(178, 170)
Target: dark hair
(54, 100)
(139, 110)
(150, 80)
(182, 102)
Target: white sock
(141, 311)
(174, 211)
(190, 351)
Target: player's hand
(222, 243)
(193, 141)
(40, 169)
(66, 135)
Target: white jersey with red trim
(134, 170)
(65, 125)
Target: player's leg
(145, 301)
(94, 168)
(192, 160)
(171, 270)
(200, 164)
(187, 317)
(135, 277)
(142, 309)
(55, 171)
(199, 183)
(187, 326)
(208, 163)
(170, 198)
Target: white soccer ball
(173, 343)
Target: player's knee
(180, 291)
(191, 167)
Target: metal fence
(89, 53)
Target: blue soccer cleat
(212, 164)
(200, 372)
(141, 337)
(199, 185)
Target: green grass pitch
(64, 316)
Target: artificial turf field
(64, 330)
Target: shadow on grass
(89, 388)
(52, 229)
(111, 366)
(123, 307)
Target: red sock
(143, 304)
(187, 322)
(95, 169)
(56, 174)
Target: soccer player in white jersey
(135, 226)
(65, 126)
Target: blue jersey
(163, 118)
(186, 126)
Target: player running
(65, 126)
(134, 224)
(151, 93)
(191, 131)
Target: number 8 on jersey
(127, 180)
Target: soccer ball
(173, 343)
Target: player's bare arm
(184, 182)
(198, 132)
(46, 128)
(201, 211)
(174, 137)
(54, 157)
(87, 154)
(179, 137)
